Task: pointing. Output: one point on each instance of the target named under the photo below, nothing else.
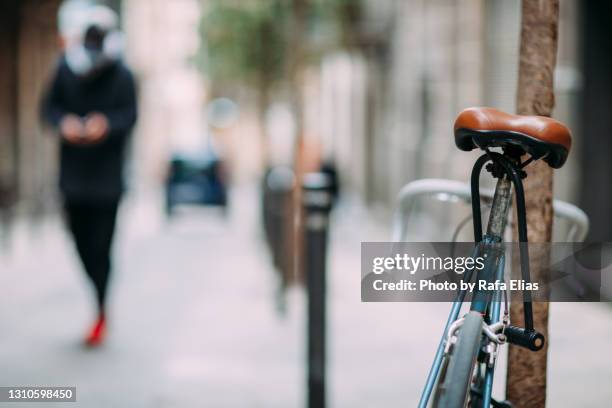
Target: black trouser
(92, 225)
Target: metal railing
(452, 190)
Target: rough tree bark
(526, 380)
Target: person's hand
(71, 128)
(96, 127)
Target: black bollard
(317, 200)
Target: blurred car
(195, 179)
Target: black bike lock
(530, 339)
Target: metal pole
(317, 201)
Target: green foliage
(245, 42)
(338, 20)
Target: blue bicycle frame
(508, 171)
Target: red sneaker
(96, 335)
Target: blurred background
(237, 99)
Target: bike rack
(446, 190)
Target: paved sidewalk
(194, 323)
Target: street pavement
(194, 320)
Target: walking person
(91, 102)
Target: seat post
(500, 207)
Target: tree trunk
(263, 102)
(296, 67)
(297, 37)
(9, 153)
(526, 380)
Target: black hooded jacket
(93, 172)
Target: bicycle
(463, 368)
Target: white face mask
(78, 60)
(83, 62)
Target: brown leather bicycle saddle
(539, 136)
